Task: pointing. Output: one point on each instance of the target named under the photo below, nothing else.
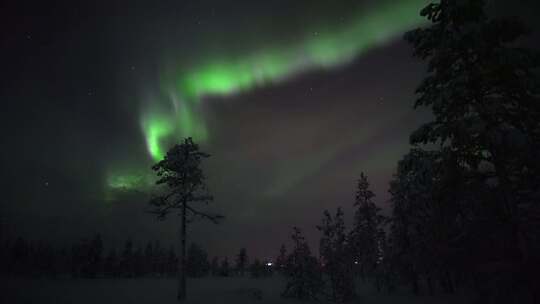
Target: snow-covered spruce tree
(484, 92)
(336, 256)
(302, 271)
(367, 225)
(180, 171)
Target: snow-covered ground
(155, 291)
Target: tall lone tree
(180, 171)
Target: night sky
(293, 99)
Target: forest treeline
(88, 258)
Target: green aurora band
(224, 75)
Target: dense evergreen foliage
(465, 199)
(336, 256)
(302, 270)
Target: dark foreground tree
(366, 231)
(180, 171)
(336, 256)
(484, 92)
(425, 220)
(302, 271)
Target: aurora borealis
(322, 48)
(292, 100)
(178, 115)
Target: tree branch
(214, 218)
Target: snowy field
(206, 290)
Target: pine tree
(302, 271)
(181, 172)
(484, 94)
(424, 217)
(367, 224)
(335, 254)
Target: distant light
(355, 262)
(269, 264)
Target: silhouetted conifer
(180, 170)
(304, 280)
(336, 256)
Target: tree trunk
(182, 257)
